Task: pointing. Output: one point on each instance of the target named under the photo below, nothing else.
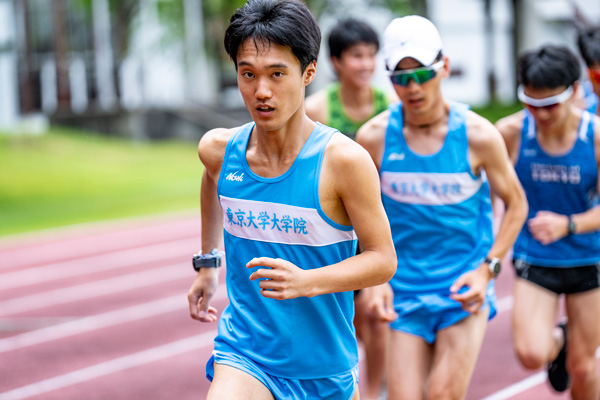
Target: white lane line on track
(112, 366)
(86, 230)
(523, 385)
(94, 242)
(99, 321)
(94, 289)
(518, 387)
(104, 262)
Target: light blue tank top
(564, 184)
(439, 212)
(281, 217)
(591, 100)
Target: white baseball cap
(412, 36)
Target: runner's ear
(310, 72)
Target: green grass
(66, 177)
(494, 112)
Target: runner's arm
(488, 151)
(211, 150)
(490, 148)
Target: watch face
(494, 265)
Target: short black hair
(349, 32)
(588, 41)
(549, 67)
(284, 22)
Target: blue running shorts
(424, 315)
(337, 387)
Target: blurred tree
(123, 14)
(216, 15)
(397, 7)
(489, 51)
(61, 51)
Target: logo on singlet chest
(549, 173)
(234, 177)
(396, 156)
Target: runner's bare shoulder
(371, 135)
(212, 146)
(510, 126)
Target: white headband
(546, 101)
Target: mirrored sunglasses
(547, 103)
(419, 75)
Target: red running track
(100, 312)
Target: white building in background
(472, 53)
(154, 74)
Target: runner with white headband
(556, 150)
(545, 102)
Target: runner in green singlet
(338, 116)
(352, 100)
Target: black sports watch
(572, 226)
(494, 266)
(210, 260)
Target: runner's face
(356, 64)
(271, 83)
(417, 97)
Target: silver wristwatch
(494, 266)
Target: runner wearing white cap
(437, 161)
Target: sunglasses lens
(419, 76)
(424, 75)
(402, 79)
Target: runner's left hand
(548, 227)
(476, 282)
(380, 302)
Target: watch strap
(572, 226)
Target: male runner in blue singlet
(431, 155)
(555, 147)
(291, 198)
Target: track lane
(108, 322)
